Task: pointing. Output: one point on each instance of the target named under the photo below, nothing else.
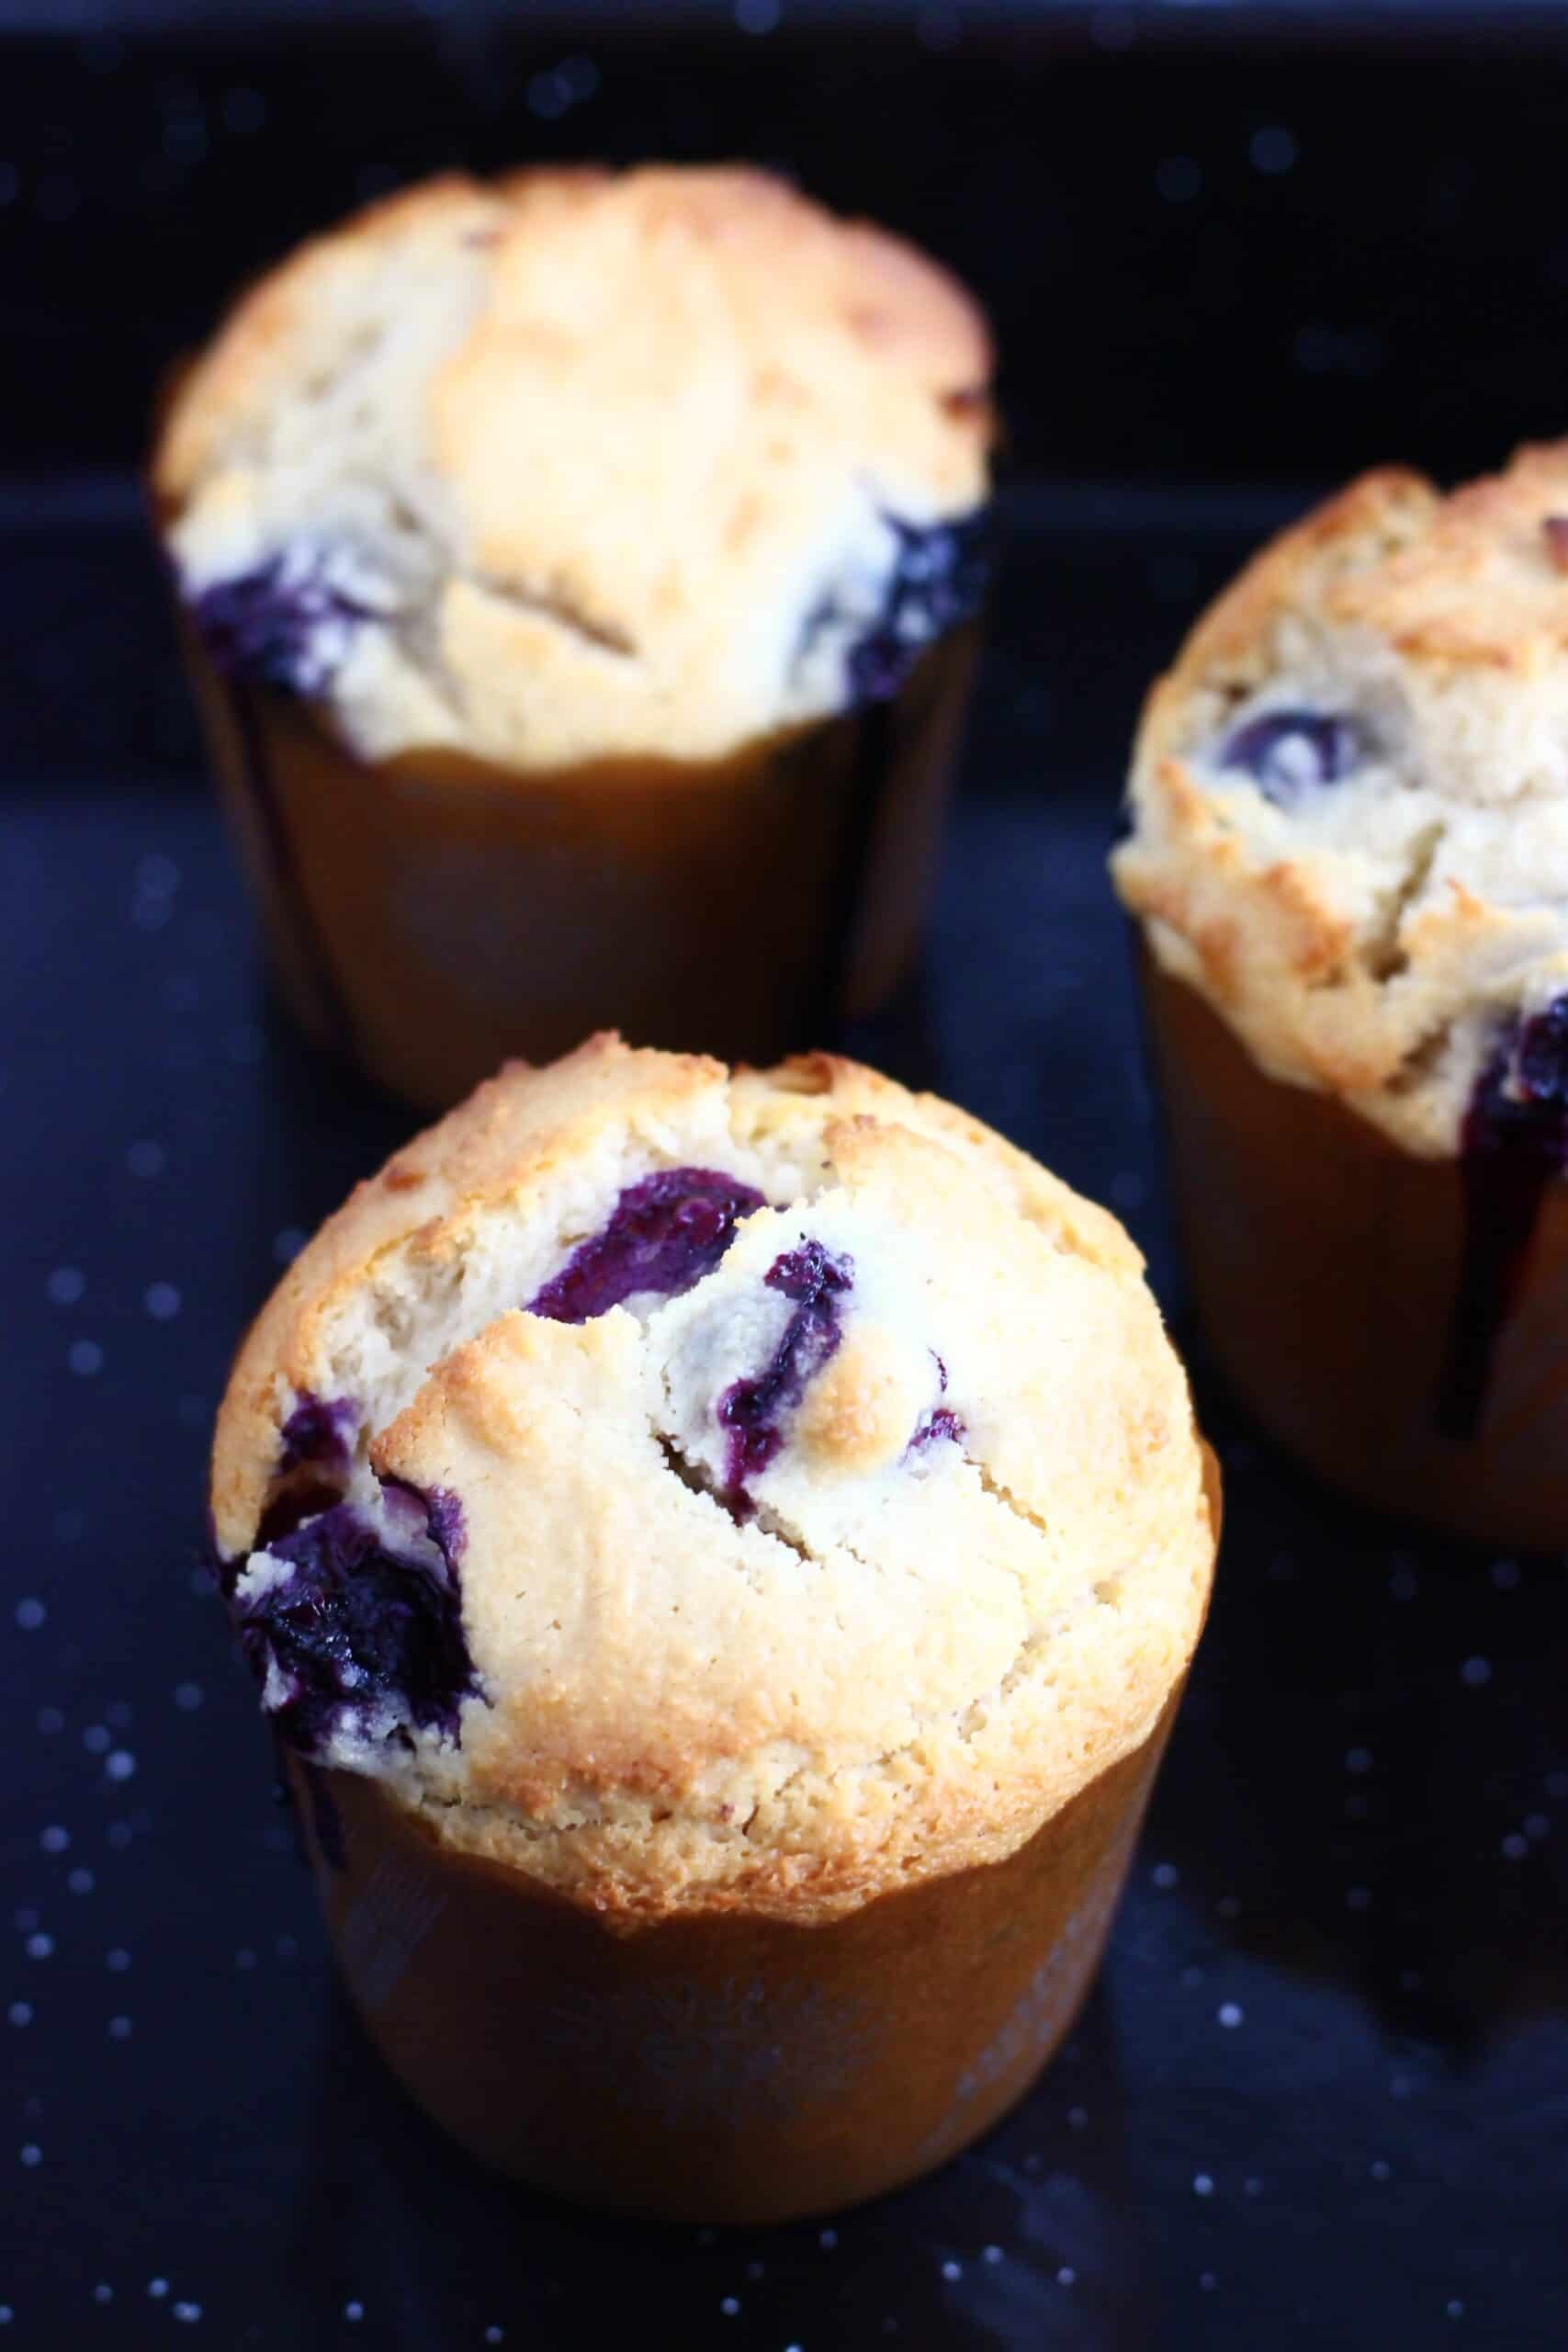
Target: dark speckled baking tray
(1321, 2093)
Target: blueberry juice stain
(1513, 1147)
(751, 1411)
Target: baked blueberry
(1287, 752)
(936, 581)
(751, 1411)
(290, 622)
(319, 1432)
(663, 1235)
(353, 1626)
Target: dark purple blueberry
(663, 1235)
(1514, 1143)
(1520, 1101)
(320, 1431)
(287, 623)
(1287, 752)
(751, 1411)
(360, 1628)
(938, 580)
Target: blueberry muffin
(720, 1555)
(1349, 856)
(579, 570)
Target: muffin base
(719, 2067)
(431, 915)
(1327, 1267)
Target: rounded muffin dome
(698, 1489)
(1349, 803)
(575, 465)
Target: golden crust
(570, 423)
(1369, 937)
(908, 1658)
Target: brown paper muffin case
(720, 2067)
(1337, 1279)
(431, 915)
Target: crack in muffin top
(575, 465)
(1350, 796)
(831, 1508)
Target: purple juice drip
(663, 1235)
(750, 1411)
(1514, 1143)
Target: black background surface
(1320, 2095)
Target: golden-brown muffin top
(791, 1484)
(579, 463)
(1350, 796)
